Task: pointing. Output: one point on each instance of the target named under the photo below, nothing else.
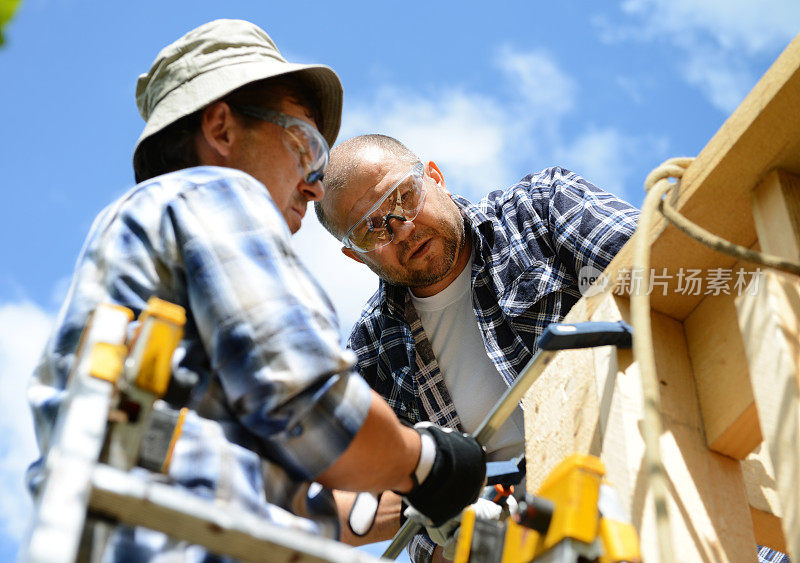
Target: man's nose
(313, 191)
(401, 227)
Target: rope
(719, 244)
(658, 185)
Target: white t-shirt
(473, 381)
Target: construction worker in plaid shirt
(465, 289)
(234, 147)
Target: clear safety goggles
(302, 139)
(402, 201)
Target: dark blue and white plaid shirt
(530, 241)
(278, 398)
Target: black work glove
(449, 475)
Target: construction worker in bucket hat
(234, 147)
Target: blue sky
(490, 92)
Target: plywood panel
(709, 512)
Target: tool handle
(560, 336)
(401, 539)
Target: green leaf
(7, 10)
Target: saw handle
(562, 336)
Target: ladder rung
(221, 529)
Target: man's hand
(449, 474)
(446, 535)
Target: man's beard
(453, 239)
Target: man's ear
(433, 171)
(352, 254)
(218, 130)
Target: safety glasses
(402, 201)
(302, 139)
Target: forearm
(387, 519)
(381, 457)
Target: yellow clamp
(107, 360)
(161, 329)
(620, 542)
(574, 488)
(176, 434)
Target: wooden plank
(770, 325)
(223, 529)
(767, 529)
(776, 211)
(709, 513)
(567, 406)
(75, 445)
(759, 479)
(724, 392)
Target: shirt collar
(479, 223)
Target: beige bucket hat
(217, 58)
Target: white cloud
(24, 328)
(606, 156)
(633, 88)
(748, 26)
(547, 90)
(465, 133)
(724, 81)
(718, 40)
(484, 142)
(600, 155)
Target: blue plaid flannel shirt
(277, 401)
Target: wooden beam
(767, 529)
(770, 325)
(708, 507)
(567, 407)
(723, 389)
(776, 210)
(765, 510)
(223, 529)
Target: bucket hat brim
(212, 85)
